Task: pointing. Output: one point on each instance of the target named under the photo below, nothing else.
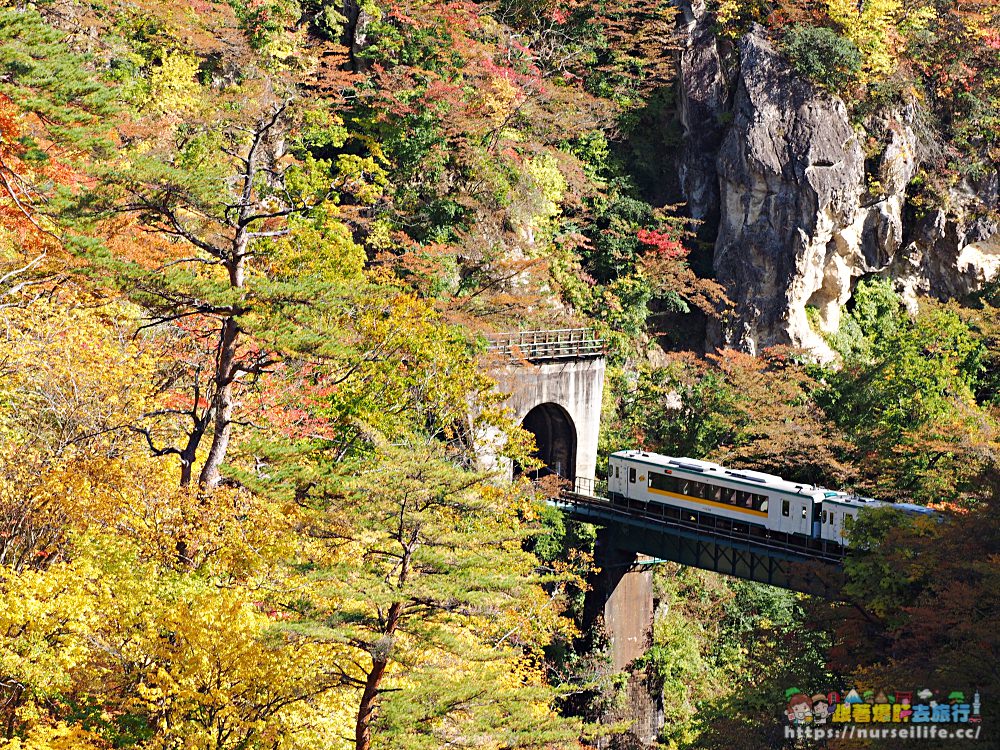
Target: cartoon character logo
(820, 708)
(799, 709)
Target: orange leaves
(123, 235)
(24, 229)
(10, 128)
(16, 200)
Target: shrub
(822, 55)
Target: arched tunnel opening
(555, 441)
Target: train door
(817, 519)
(616, 477)
(631, 482)
(794, 514)
(623, 479)
(839, 523)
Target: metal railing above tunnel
(536, 346)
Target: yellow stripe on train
(702, 501)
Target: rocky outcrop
(805, 205)
(703, 101)
(953, 250)
(791, 175)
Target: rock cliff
(805, 206)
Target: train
(762, 503)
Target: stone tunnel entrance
(555, 437)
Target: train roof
(771, 481)
(845, 498)
(711, 469)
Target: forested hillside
(250, 251)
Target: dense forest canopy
(249, 251)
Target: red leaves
(663, 244)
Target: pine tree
(423, 575)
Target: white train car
(743, 496)
(838, 514)
(840, 510)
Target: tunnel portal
(555, 438)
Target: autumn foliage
(249, 251)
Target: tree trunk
(225, 373)
(225, 376)
(369, 699)
(366, 710)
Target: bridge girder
(806, 571)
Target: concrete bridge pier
(621, 601)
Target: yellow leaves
(57, 737)
(877, 28)
(499, 100)
(320, 246)
(72, 370)
(540, 206)
(143, 641)
(364, 178)
(45, 618)
(221, 669)
(74, 380)
(544, 169)
(173, 85)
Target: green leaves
(906, 392)
(422, 572)
(822, 55)
(42, 75)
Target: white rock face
(800, 217)
(954, 252)
(791, 174)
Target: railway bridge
(704, 540)
(554, 381)
(634, 536)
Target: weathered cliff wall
(806, 202)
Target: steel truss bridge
(703, 540)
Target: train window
(714, 492)
(728, 494)
(742, 496)
(848, 521)
(631, 474)
(763, 505)
(759, 501)
(803, 511)
(824, 516)
(662, 482)
(616, 472)
(683, 487)
(784, 507)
